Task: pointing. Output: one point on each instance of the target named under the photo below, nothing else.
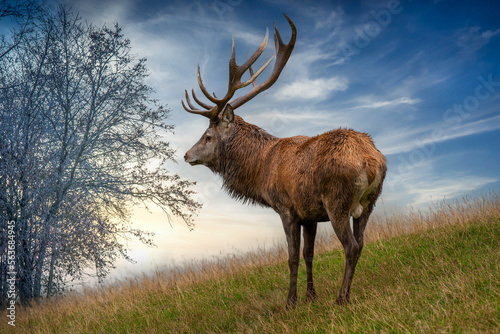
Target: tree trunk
(51, 272)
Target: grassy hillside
(441, 274)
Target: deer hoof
(342, 301)
(291, 303)
(311, 296)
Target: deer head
(221, 114)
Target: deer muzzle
(190, 160)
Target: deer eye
(208, 138)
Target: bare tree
(82, 142)
(23, 14)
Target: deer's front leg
(292, 231)
(309, 237)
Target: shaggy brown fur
(306, 180)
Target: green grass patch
(441, 280)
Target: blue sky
(422, 77)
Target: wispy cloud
(472, 39)
(406, 139)
(327, 19)
(425, 181)
(370, 103)
(316, 89)
(433, 189)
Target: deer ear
(227, 115)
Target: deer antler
(283, 52)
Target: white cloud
(436, 190)
(318, 89)
(325, 20)
(471, 39)
(419, 183)
(369, 103)
(407, 139)
(489, 34)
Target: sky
(421, 77)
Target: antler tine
(211, 114)
(193, 111)
(232, 61)
(250, 69)
(189, 101)
(283, 52)
(201, 103)
(236, 72)
(204, 90)
(242, 69)
(254, 76)
(277, 38)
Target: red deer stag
(330, 177)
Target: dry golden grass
(246, 293)
(439, 214)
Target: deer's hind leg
(359, 224)
(340, 219)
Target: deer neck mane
(242, 161)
